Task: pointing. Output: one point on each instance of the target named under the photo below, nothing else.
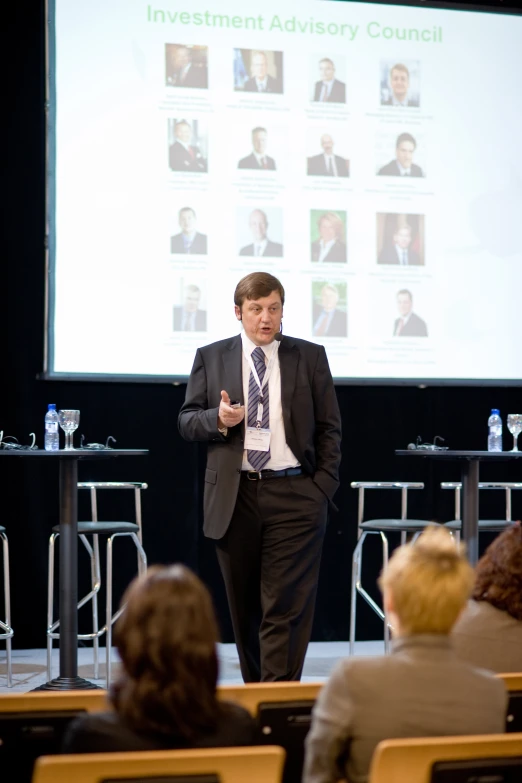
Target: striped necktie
(258, 459)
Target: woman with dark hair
(166, 695)
(489, 631)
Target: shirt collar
(402, 170)
(425, 641)
(249, 346)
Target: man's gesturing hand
(228, 416)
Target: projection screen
(368, 155)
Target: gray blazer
(488, 637)
(420, 690)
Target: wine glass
(69, 421)
(514, 422)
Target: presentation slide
(367, 155)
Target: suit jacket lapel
(232, 362)
(288, 359)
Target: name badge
(257, 439)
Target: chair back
(283, 712)
(513, 683)
(228, 765)
(33, 725)
(414, 760)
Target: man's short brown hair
(257, 285)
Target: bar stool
(406, 527)
(96, 528)
(5, 625)
(484, 525)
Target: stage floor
(29, 666)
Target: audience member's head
(427, 584)
(166, 638)
(499, 572)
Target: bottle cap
(495, 410)
(51, 406)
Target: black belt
(257, 475)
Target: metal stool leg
(356, 583)
(50, 593)
(7, 604)
(108, 613)
(384, 542)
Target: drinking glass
(69, 421)
(514, 422)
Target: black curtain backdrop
(376, 419)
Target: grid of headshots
(259, 154)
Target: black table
(68, 461)
(470, 461)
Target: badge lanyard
(268, 372)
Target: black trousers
(270, 558)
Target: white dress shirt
(260, 247)
(330, 161)
(402, 255)
(280, 455)
(402, 171)
(326, 89)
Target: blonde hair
(430, 581)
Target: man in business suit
(184, 156)
(400, 84)
(421, 689)
(409, 324)
(328, 164)
(261, 246)
(258, 159)
(188, 317)
(260, 80)
(188, 241)
(328, 320)
(330, 247)
(267, 409)
(400, 252)
(182, 72)
(329, 89)
(403, 165)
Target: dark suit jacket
(392, 170)
(317, 165)
(337, 93)
(306, 387)
(272, 85)
(389, 256)
(414, 327)
(338, 324)
(336, 253)
(106, 732)
(199, 326)
(272, 250)
(196, 76)
(198, 246)
(181, 160)
(250, 162)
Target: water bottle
(52, 439)
(495, 431)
